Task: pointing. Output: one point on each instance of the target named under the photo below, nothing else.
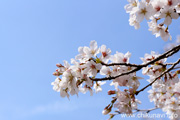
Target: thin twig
(146, 110)
(176, 68)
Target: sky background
(37, 34)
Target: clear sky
(37, 34)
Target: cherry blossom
(132, 4)
(82, 75)
(97, 86)
(92, 68)
(169, 14)
(154, 10)
(144, 10)
(105, 54)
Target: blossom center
(93, 66)
(104, 54)
(93, 52)
(170, 2)
(134, 4)
(143, 11)
(158, 8)
(168, 14)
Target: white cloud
(63, 106)
(51, 108)
(54, 108)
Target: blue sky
(37, 34)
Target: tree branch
(138, 67)
(125, 64)
(168, 70)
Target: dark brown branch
(131, 65)
(139, 67)
(165, 55)
(110, 78)
(169, 63)
(125, 64)
(168, 70)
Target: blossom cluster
(165, 92)
(78, 77)
(94, 60)
(159, 12)
(81, 76)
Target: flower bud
(111, 92)
(124, 59)
(106, 110)
(59, 65)
(57, 73)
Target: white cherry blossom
(155, 11)
(144, 10)
(132, 4)
(177, 7)
(169, 14)
(133, 21)
(106, 71)
(97, 86)
(91, 51)
(91, 68)
(105, 53)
